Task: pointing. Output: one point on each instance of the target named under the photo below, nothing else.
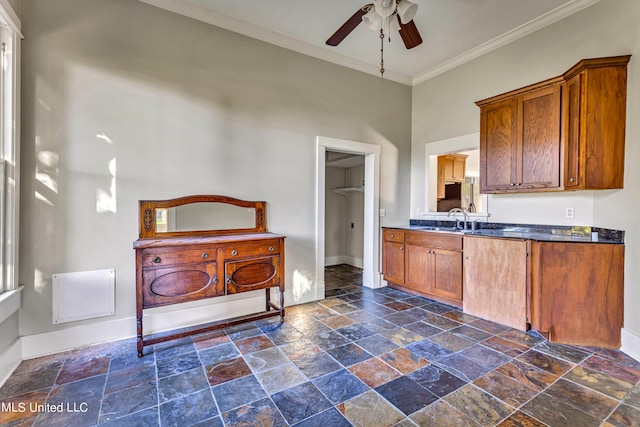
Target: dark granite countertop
(542, 233)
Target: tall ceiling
(453, 31)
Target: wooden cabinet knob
(156, 260)
(205, 255)
(234, 252)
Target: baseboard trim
(154, 320)
(631, 344)
(9, 360)
(343, 259)
(373, 281)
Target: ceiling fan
(387, 16)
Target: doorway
(344, 209)
(370, 232)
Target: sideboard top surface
(203, 240)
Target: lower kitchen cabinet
(425, 263)
(393, 261)
(433, 271)
(577, 292)
(495, 280)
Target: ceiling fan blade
(410, 35)
(347, 27)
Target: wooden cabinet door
(393, 262)
(520, 141)
(577, 292)
(251, 274)
(498, 149)
(419, 268)
(572, 166)
(180, 283)
(495, 280)
(447, 276)
(595, 116)
(539, 139)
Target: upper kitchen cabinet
(580, 116)
(595, 115)
(520, 139)
(451, 169)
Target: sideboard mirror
(207, 214)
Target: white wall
(335, 213)
(344, 244)
(184, 108)
(444, 108)
(355, 215)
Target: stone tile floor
(360, 357)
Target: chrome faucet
(464, 214)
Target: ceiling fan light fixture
(371, 19)
(384, 8)
(406, 10)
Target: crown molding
(203, 14)
(506, 38)
(9, 17)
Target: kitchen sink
(444, 229)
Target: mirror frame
(147, 217)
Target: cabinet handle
(156, 260)
(513, 184)
(402, 248)
(466, 257)
(215, 279)
(234, 252)
(572, 180)
(205, 255)
(271, 249)
(518, 184)
(227, 279)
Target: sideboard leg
(140, 341)
(281, 304)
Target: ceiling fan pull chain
(381, 54)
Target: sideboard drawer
(243, 250)
(163, 257)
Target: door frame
(371, 276)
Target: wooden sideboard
(177, 264)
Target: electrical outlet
(568, 212)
